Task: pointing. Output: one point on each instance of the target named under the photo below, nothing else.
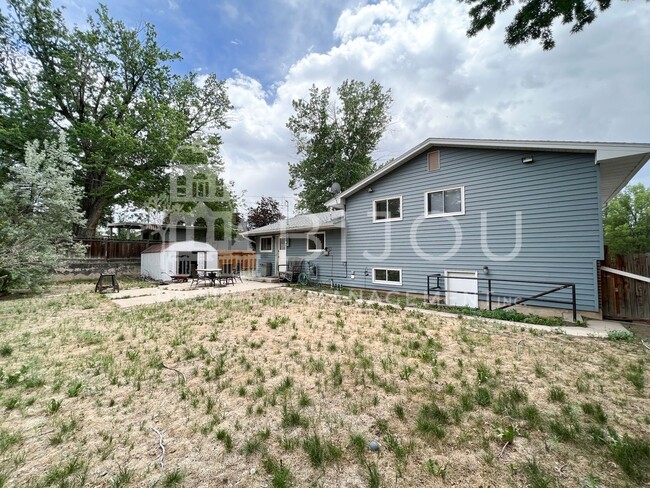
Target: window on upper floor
(315, 242)
(387, 276)
(266, 244)
(441, 203)
(387, 209)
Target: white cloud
(592, 86)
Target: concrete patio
(181, 291)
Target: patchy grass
(284, 388)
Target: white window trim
(386, 282)
(427, 215)
(374, 209)
(309, 234)
(266, 237)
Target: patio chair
(289, 272)
(237, 273)
(196, 279)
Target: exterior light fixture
(370, 190)
(486, 270)
(527, 159)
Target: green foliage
(620, 335)
(534, 19)
(633, 456)
(536, 476)
(335, 140)
(431, 421)
(173, 478)
(320, 451)
(626, 221)
(281, 477)
(126, 115)
(38, 207)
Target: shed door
(459, 282)
(200, 260)
(184, 261)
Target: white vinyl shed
(161, 261)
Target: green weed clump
(431, 421)
(321, 451)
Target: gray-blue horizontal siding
(265, 257)
(328, 266)
(557, 195)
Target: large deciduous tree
(266, 211)
(534, 19)
(627, 221)
(111, 89)
(335, 138)
(39, 203)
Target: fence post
(575, 308)
(490, 293)
(428, 289)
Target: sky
(594, 86)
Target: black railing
(490, 296)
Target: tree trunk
(93, 210)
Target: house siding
(557, 196)
(329, 267)
(265, 257)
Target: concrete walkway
(181, 291)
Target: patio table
(210, 273)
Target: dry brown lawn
(286, 388)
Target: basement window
(387, 276)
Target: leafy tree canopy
(265, 212)
(534, 19)
(38, 206)
(335, 139)
(111, 89)
(627, 221)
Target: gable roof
(619, 161)
(301, 223)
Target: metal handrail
(537, 297)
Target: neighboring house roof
(180, 246)
(301, 223)
(619, 161)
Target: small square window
(388, 209)
(316, 242)
(266, 244)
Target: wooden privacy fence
(230, 261)
(626, 297)
(99, 248)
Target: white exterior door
(281, 258)
(200, 260)
(462, 281)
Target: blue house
(470, 222)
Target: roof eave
(602, 151)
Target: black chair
(289, 272)
(197, 278)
